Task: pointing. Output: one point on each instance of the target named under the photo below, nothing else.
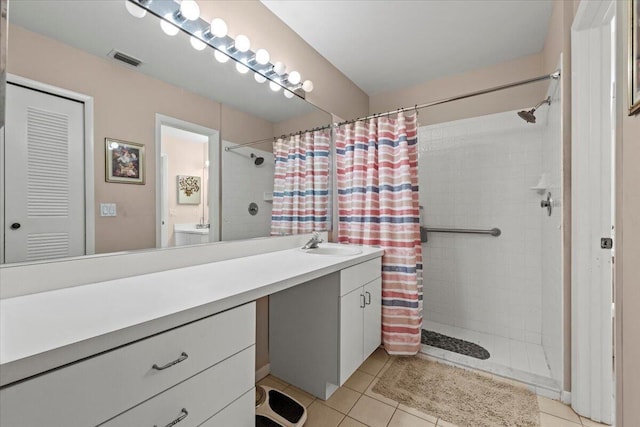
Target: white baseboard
(263, 372)
(565, 397)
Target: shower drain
(456, 345)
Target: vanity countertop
(46, 330)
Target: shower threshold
(517, 360)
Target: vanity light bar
(199, 29)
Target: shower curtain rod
(555, 76)
(300, 132)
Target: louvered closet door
(44, 166)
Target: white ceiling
(384, 45)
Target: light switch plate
(107, 209)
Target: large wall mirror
(153, 161)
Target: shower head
(529, 116)
(258, 160)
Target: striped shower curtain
(377, 169)
(301, 184)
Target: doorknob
(547, 204)
(15, 225)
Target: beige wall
(333, 91)
(460, 84)
(239, 127)
(125, 104)
(308, 121)
(628, 244)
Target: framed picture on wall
(124, 161)
(189, 190)
(634, 58)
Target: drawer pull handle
(368, 302)
(182, 358)
(183, 415)
(363, 301)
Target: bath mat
(457, 395)
(456, 345)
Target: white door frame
(89, 188)
(592, 148)
(164, 205)
(213, 191)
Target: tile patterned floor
(356, 405)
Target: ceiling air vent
(129, 60)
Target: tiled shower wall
(243, 182)
(478, 173)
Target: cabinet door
(372, 316)
(351, 330)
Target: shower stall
(501, 290)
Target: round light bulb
(294, 77)
(307, 86)
(259, 77)
(241, 68)
(274, 86)
(218, 27)
(197, 44)
(262, 57)
(279, 68)
(242, 43)
(288, 94)
(134, 10)
(220, 57)
(190, 10)
(167, 27)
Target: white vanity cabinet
(194, 371)
(360, 326)
(321, 332)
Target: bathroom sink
(334, 249)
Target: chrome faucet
(314, 241)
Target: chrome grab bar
(493, 231)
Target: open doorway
(188, 205)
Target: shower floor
(522, 361)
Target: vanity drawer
(199, 397)
(91, 391)
(353, 277)
(240, 413)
